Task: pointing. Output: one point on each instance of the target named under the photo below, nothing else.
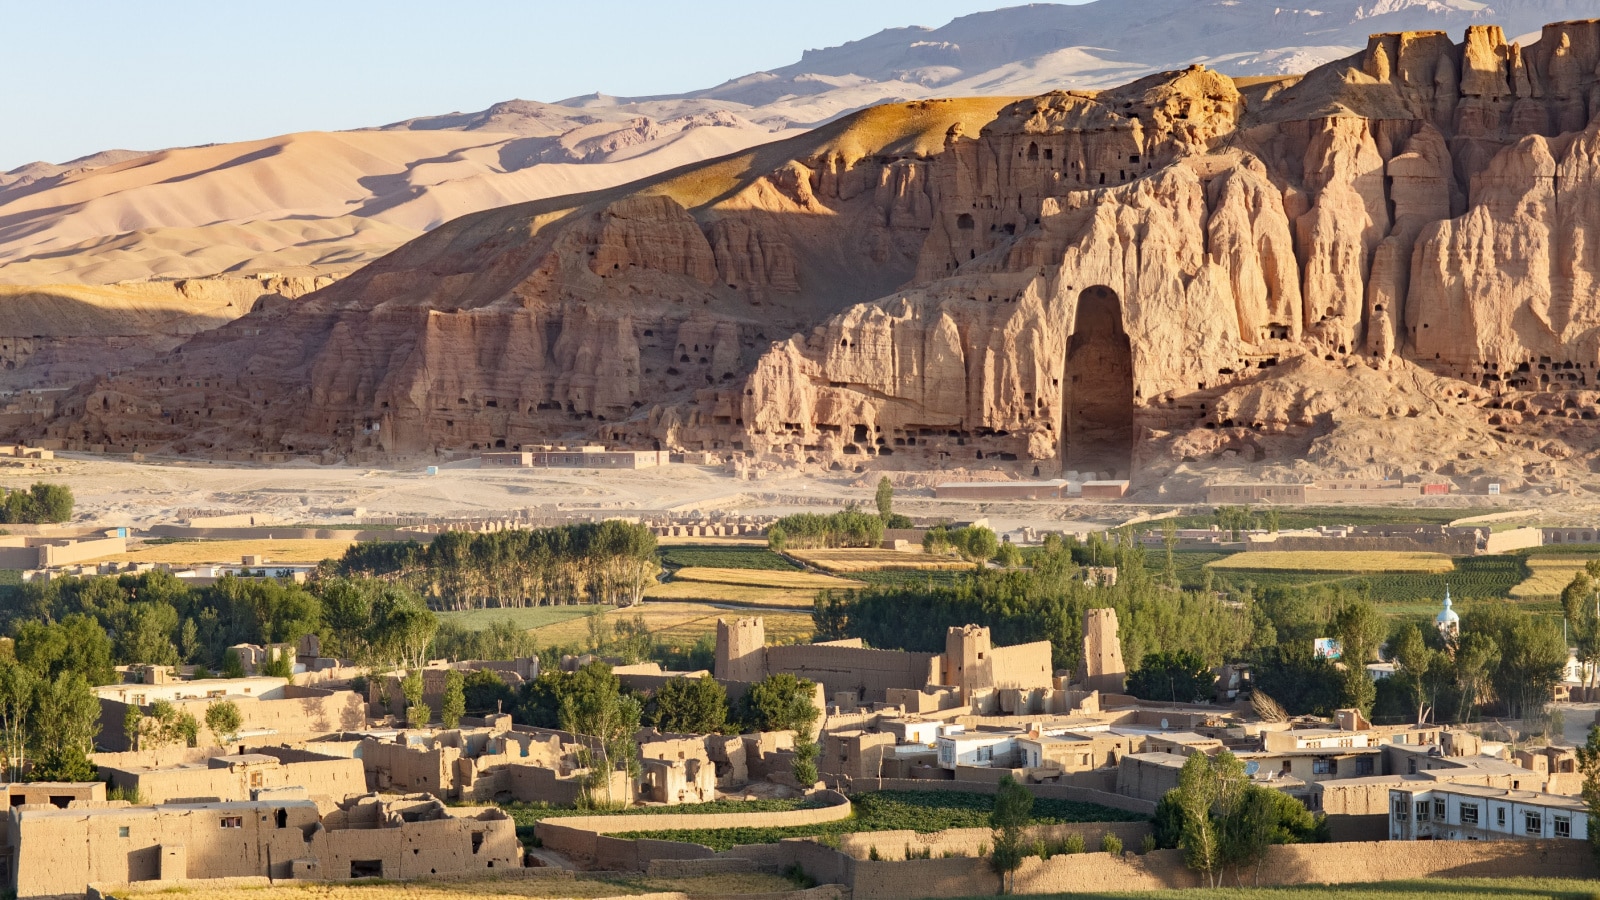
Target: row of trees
(609, 562)
(102, 622)
(1046, 600)
(38, 505)
(849, 527)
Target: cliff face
(1178, 271)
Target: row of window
(1532, 822)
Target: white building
(1467, 812)
(976, 748)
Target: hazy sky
(77, 76)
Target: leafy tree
(232, 665)
(43, 503)
(1178, 677)
(1589, 765)
(61, 751)
(593, 704)
(1208, 789)
(690, 706)
(1013, 808)
(224, 720)
(18, 689)
(783, 702)
(417, 712)
(1532, 655)
(1008, 555)
(278, 665)
(1414, 659)
(1578, 607)
(454, 703)
(75, 644)
(885, 498)
(484, 691)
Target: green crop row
(678, 557)
(921, 811)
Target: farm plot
(1335, 561)
(189, 553)
(714, 592)
(725, 557)
(1548, 575)
(852, 560)
(764, 578)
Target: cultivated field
(765, 578)
(712, 592)
(526, 618)
(866, 560)
(672, 622)
(189, 553)
(1549, 575)
(549, 886)
(1334, 561)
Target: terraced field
(1549, 575)
(849, 561)
(1335, 561)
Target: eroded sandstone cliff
(1186, 269)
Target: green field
(922, 811)
(714, 557)
(525, 618)
(1336, 561)
(1419, 889)
(1311, 516)
(1472, 578)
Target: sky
(79, 76)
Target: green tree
(232, 665)
(454, 703)
(18, 689)
(486, 692)
(1169, 544)
(690, 706)
(1589, 765)
(783, 702)
(61, 751)
(417, 713)
(224, 720)
(885, 498)
(278, 665)
(1415, 659)
(1209, 791)
(1013, 809)
(1178, 677)
(593, 704)
(1008, 555)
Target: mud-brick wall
(1346, 863)
(893, 845)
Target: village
(306, 778)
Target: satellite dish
(1164, 724)
(1251, 768)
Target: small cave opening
(1097, 431)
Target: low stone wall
(584, 838)
(894, 845)
(1050, 791)
(1347, 863)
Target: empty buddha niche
(1097, 431)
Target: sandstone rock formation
(1183, 270)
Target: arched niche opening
(1097, 401)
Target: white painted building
(976, 748)
(1466, 812)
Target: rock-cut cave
(1097, 409)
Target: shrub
(1111, 844)
(1073, 844)
(1148, 844)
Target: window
(1422, 810)
(1411, 766)
(1500, 817)
(1438, 808)
(122, 831)
(232, 821)
(1364, 766)
(1563, 826)
(1400, 810)
(1469, 813)
(1532, 823)
(1324, 767)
